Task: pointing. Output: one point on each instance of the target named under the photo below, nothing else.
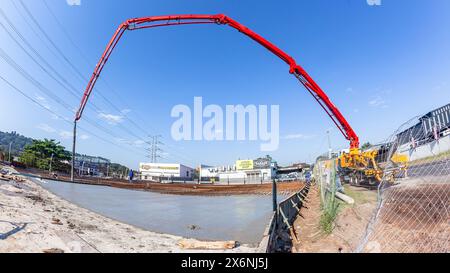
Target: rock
(193, 227)
(56, 221)
(195, 244)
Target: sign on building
(262, 163)
(244, 165)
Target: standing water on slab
(240, 218)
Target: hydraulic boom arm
(295, 69)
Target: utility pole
(200, 174)
(72, 177)
(330, 151)
(82, 169)
(9, 154)
(274, 195)
(51, 160)
(154, 149)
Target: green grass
(360, 195)
(330, 211)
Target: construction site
(382, 187)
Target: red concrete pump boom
(295, 69)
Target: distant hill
(18, 142)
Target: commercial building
(430, 127)
(161, 171)
(258, 170)
(429, 137)
(91, 165)
(293, 172)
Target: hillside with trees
(38, 153)
(17, 141)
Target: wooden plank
(195, 244)
(345, 198)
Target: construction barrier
(280, 231)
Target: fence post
(274, 195)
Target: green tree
(2, 154)
(40, 152)
(366, 146)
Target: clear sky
(381, 65)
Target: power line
(73, 67)
(77, 71)
(26, 75)
(60, 52)
(60, 79)
(66, 59)
(49, 93)
(83, 55)
(56, 114)
(37, 62)
(86, 59)
(66, 32)
(32, 28)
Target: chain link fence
(327, 180)
(413, 202)
(324, 173)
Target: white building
(258, 170)
(156, 171)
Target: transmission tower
(154, 149)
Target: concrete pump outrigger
(354, 161)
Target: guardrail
(280, 231)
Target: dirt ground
(215, 190)
(350, 225)
(189, 189)
(414, 218)
(33, 220)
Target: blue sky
(381, 65)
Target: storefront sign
(243, 165)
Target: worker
(131, 176)
(308, 177)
